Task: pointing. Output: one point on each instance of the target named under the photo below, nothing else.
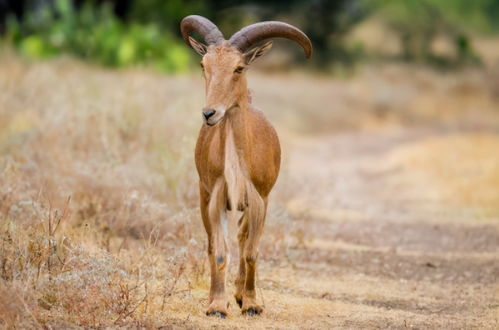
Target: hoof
(252, 311)
(221, 315)
(218, 308)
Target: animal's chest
(217, 157)
(211, 151)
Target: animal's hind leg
(256, 219)
(214, 217)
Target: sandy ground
(385, 214)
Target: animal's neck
(236, 152)
(237, 123)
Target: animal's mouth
(215, 121)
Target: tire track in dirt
(411, 236)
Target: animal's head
(225, 62)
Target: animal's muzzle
(208, 113)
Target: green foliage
(419, 22)
(94, 33)
(167, 14)
(145, 32)
(476, 15)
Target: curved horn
(254, 33)
(203, 26)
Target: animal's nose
(207, 113)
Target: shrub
(94, 33)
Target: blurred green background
(441, 33)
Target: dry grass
(461, 167)
(99, 221)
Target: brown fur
(238, 161)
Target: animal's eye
(239, 69)
(202, 66)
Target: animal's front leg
(218, 298)
(218, 254)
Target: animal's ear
(199, 47)
(256, 52)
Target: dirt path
(376, 246)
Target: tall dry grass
(96, 185)
(98, 213)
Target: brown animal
(237, 152)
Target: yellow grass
(463, 168)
